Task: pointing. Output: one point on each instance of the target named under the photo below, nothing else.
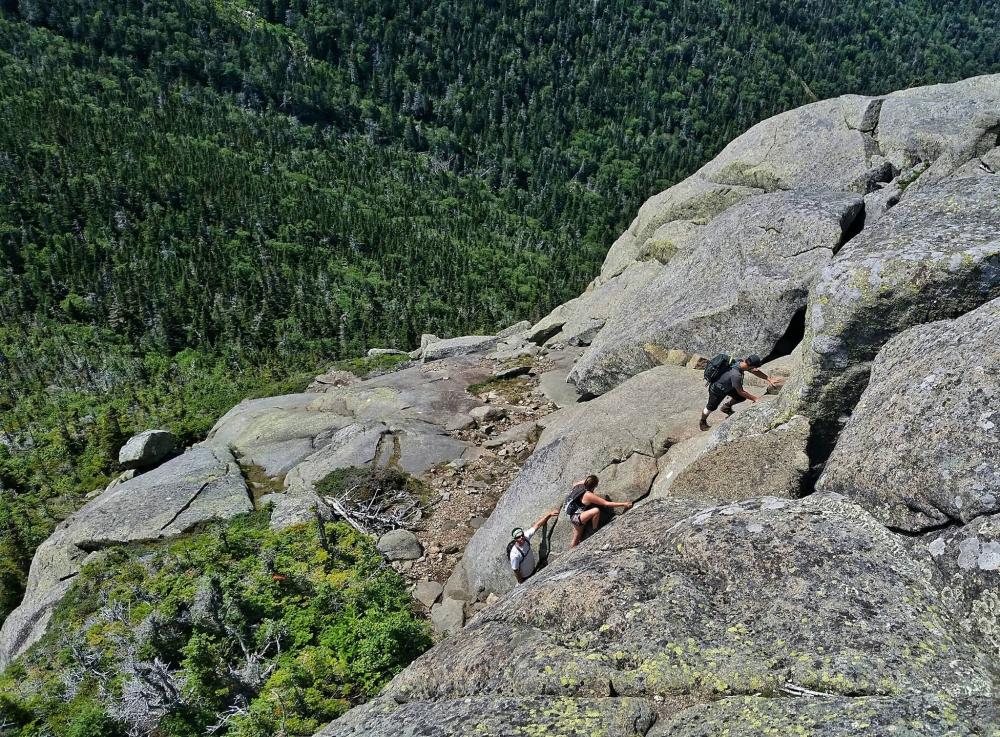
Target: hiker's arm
(600, 501)
(745, 394)
(761, 375)
(544, 518)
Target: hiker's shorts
(714, 400)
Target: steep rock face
(772, 460)
(692, 201)
(827, 145)
(880, 147)
(683, 606)
(634, 423)
(202, 484)
(922, 446)
(934, 256)
(738, 287)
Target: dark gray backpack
(717, 367)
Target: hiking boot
(703, 425)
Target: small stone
(451, 549)
(511, 372)
(399, 545)
(427, 592)
(459, 422)
(487, 412)
(697, 362)
(476, 522)
(448, 616)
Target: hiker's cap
(516, 533)
(754, 360)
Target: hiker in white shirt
(522, 557)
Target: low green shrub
(270, 632)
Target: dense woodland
(202, 200)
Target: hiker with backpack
(522, 557)
(583, 507)
(725, 384)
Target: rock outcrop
(404, 415)
(721, 603)
(714, 608)
(202, 484)
(922, 447)
(577, 321)
(934, 256)
(745, 276)
(462, 346)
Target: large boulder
(463, 346)
(737, 289)
(147, 449)
(946, 124)
(289, 510)
(827, 145)
(969, 559)
(576, 322)
(693, 201)
(716, 467)
(203, 484)
(400, 545)
(406, 414)
(922, 447)
(685, 610)
(934, 256)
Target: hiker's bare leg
(591, 518)
(577, 535)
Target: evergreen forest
(205, 200)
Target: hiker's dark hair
(590, 482)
